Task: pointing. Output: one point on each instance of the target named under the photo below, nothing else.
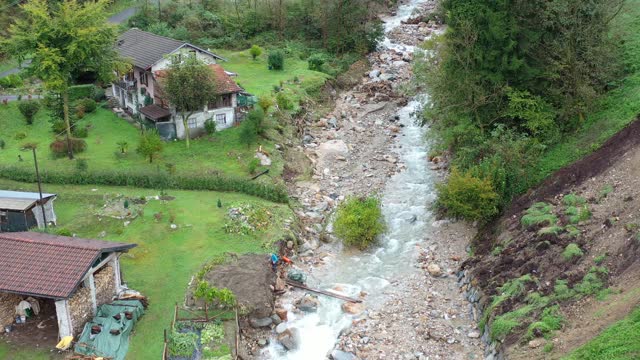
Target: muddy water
(405, 199)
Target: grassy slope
(255, 77)
(223, 153)
(621, 341)
(615, 110)
(164, 261)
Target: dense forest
(338, 26)
(507, 80)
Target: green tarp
(106, 344)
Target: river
(405, 204)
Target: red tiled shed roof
(224, 83)
(47, 265)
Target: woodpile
(105, 285)
(80, 306)
(8, 304)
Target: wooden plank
(323, 292)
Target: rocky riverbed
(354, 151)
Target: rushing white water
(405, 205)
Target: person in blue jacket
(274, 262)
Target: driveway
(123, 15)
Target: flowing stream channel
(405, 205)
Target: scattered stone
(263, 342)
(434, 270)
(282, 327)
(282, 314)
(308, 303)
(264, 159)
(262, 322)
(352, 308)
(307, 139)
(276, 319)
(475, 334)
(536, 343)
(289, 339)
(342, 355)
(374, 73)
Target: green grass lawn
(614, 111)
(223, 153)
(256, 78)
(164, 261)
(621, 341)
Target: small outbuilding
(68, 277)
(21, 211)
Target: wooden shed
(21, 211)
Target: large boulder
(342, 355)
(308, 303)
(332, 148)
(289, 338)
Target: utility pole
(44, 214)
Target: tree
(65, 39)
(189, 86)
(28, 109)
(150, 145)
(248, 133)
(276, 60)
(255, 51)
(359, 221)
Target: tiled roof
(145, 48)
(46, 265)
(224, 83)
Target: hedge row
(150, 180)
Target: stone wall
(80, 305)
(8, 304)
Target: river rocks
(374, 73)
(434, 270)
(352, 308)
(289, 338)
(263, 342)
(474, 334)
(282, 327)
(282, 314)
(342, 355)
(276, 319)
(332, 122)
(307, 139)
(332, 148)
(261, 322)
(308, 303)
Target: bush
(255, 51)
(20, 136)
(265, 103)
(80, 132)
(77, 92)
(99, 94)
(150, 180)
(88, 104)
(58, 127)
(28, 109)
(150, 145)
(82, 165)
(210, 127)
(80, 111)
(316, 61)
(276, 60)
(2, 144)
(572, 251)
(59, 146)
(284, 102)
(468, 197)
(248, 133)
(359, 221)
(253, 165)
(11, 81)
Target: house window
(192, 123)
(143, 78)
(221, 119)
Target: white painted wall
(201, 118)
(51, 215)
(164, 63)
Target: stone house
(70, 276)
(139, 91)
(21, 211)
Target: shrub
(255, 51)
(284, 102)
(80, 132)
(248, 133)
(468, 197)
(2, 144)
(59, 146)
(77, 92)
(549, 321)
(58, 127)
(150, 180)
(359, 221)
(20, 136)
(63, 232)
(572, 251)
(316, 61)
(253, 165)
(88, 104)
(573, 200)
(123, 146)
(265, 103)
(11, 81)
(592, 282)
(210, 127)
(82, 165)
(80, 111)
(28, 109)
(276, 60)
(99, 94)
(600, 259)
(562, 291)
(150, 145)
